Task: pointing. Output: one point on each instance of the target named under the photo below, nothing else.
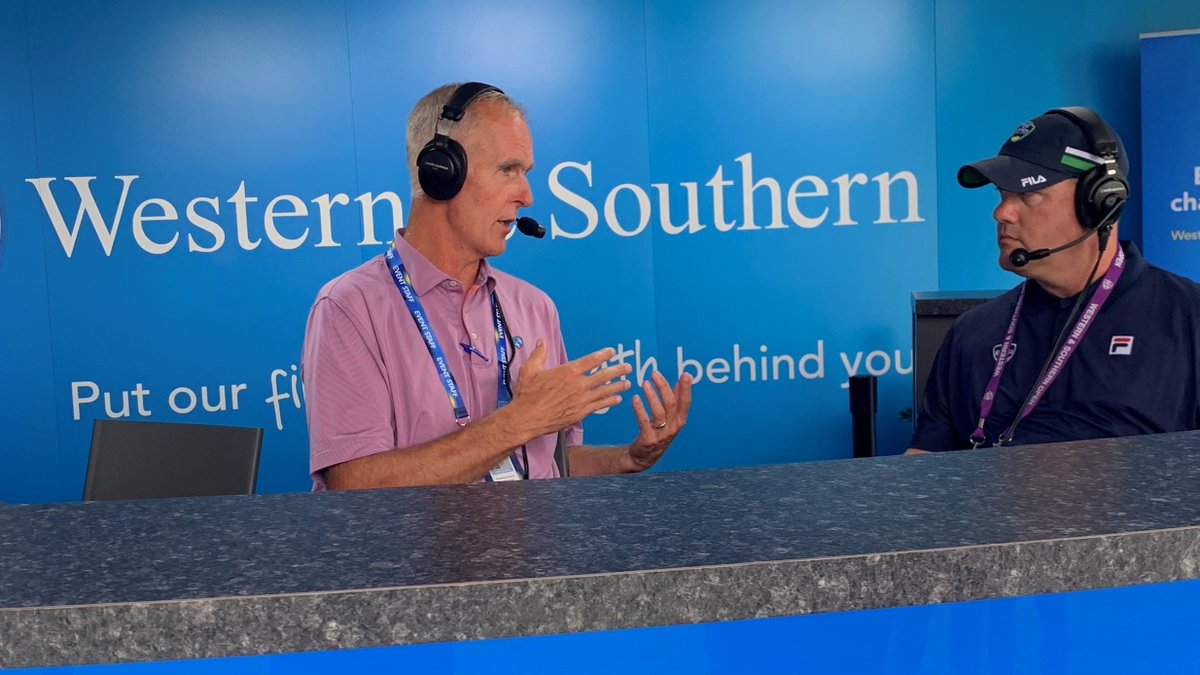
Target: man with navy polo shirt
(1096, 342)
(426, 365)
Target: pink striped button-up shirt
(370, 384)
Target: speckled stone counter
(207, 577)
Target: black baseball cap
(1041, 152)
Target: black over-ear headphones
(442, 163)
(1102, 191)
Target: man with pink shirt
(428, 366)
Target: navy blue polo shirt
(1135, 372)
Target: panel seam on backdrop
(649, 169)
(60, 451)
(937, 220)
(353, 114)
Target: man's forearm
(462, 456)
(597, 460)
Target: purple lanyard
(1099, 297)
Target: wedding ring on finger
(660, 425)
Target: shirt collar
(1135, 265)
(424, 275)
(486, 276)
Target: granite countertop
(223, 576)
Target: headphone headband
(1100, 135)
(456, 107)
(1102, 191)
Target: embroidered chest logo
(1012, 350)
(1121, 345)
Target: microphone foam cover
(530, 227)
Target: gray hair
(422, 123)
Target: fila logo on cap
(1121, 345)
(1033, 180)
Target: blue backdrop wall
(744, 191)
(1000, 63)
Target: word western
(200, 212)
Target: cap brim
(1009, 174)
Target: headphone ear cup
(442, 168)
(1097, 194)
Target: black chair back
(147, 460)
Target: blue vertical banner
(723, 193)
(1171, 151)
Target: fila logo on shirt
(1012, 350)
(1121, 345)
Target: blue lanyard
(503, 398)
(461, 416)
